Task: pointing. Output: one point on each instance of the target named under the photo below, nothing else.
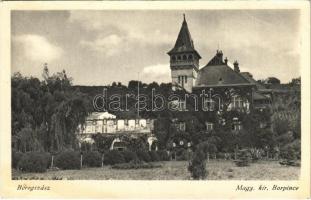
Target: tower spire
(184, 16)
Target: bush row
(40, 161)
(134, 164)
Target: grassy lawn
(177, 170)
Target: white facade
(106, 123)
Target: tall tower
(184, 60)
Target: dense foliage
(197, 166)
(16, 157)
(68, 160)
(92, 159)
(45, 114)
(34, 162)
(113, 157)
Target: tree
(197, 166)
(273, 80)
(47, 112)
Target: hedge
(92, 159)
(34, 162)
(113, 157)
(154, 156)
(163, 155)
(143, 156)
(135, 165)
(16, 157)
(68, 160)
(129, 156)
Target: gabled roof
(219, 75)
(184, 42)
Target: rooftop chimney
(226, 60)
(236, 66)
(219, 54)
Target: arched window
(184, 57)
(190, 57)
(178, 57)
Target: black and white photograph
(156, 94)
(142, 95)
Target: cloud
(38, 48)
(108, 45)
(133, 30)
(158, 73)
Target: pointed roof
(184, 42)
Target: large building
(107, 124)
(217, 73)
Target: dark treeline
(46, 114)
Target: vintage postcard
(153, 99)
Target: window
(237, 102)
(209, 104)
(178, 57)
(236, 125)
(182, 105)
(136, 121)
(173, 58)
(184, 57)
(105, 122)
(185, 79)
(209, 126)
(182, 126)
(190, 57)
(115, 122)
(126, 122)
(179, 79)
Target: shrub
(68, 160)
(197, 166)
(244, 158)
(92, 159)
(129, 155)
(182, 154)
(163, 155)
(291, 151)
(33, 162)
(143, 156)
(135, 165)
(290, 154)
(113, 157)
(16, 156)
(154, 156)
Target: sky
(100, 47)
